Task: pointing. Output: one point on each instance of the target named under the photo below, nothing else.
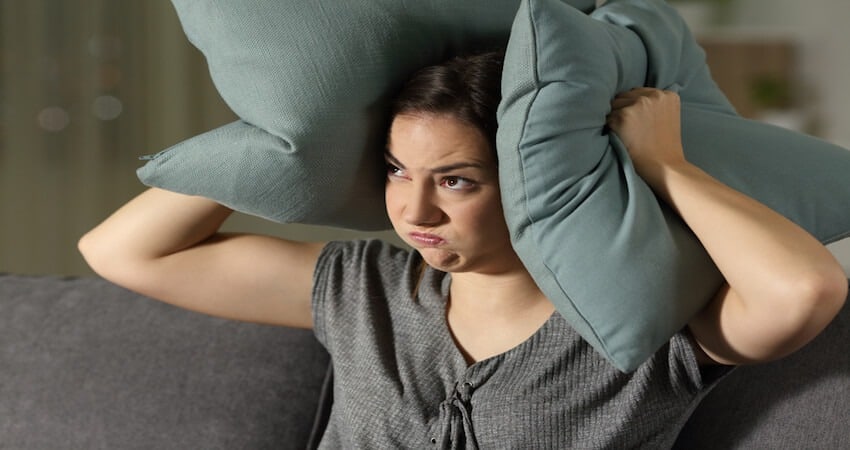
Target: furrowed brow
(438, 170)
(393, 160)
(453, 167)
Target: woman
(452, 345)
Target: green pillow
(621, 267)
(310, 81)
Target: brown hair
(465, 87)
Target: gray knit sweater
(400, 381)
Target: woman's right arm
(168, 246)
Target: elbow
(794, 312)
(100, 254)
(91, 250)
(812, 302)
(822, 294)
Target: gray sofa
(85, 364)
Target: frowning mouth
(425, 239)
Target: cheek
(492, 208)
(391, 200)
(491, 219)
(484, 217)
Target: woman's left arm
(783, 287)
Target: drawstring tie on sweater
(457, 429)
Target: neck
(504, 294)
(490, 314)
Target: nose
(421, 206)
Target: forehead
(429, 139)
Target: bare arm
(167, 246)
(783, 287)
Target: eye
(394, 171)
(458, 183)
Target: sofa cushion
(86, 364)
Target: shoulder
(363, 251)
(366, 258)
(347, 270)
(360, 285)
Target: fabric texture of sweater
(401, 382)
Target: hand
(648, 122)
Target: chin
(441, 260)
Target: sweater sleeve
(684, 367)
(352, 283)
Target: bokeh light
(107, 107)
(53, 119)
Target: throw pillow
(310, 81)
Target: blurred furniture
(757, 72)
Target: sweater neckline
(520, 350)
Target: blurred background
(88, 86)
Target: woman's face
(442, 194)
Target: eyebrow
(441, 169)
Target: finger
(637, 92)
(621, 102)
(632, 96)
(613, 120)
